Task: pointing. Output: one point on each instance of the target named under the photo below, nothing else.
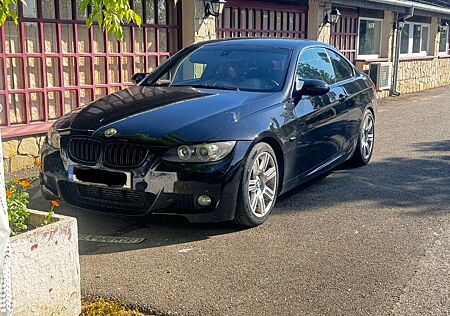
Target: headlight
(53, 138)
(200, 153)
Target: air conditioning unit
(381, 75)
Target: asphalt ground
(367, 241)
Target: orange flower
(55, 203)
(39, 164)
(8, 193)
(25, 183)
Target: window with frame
(369, 42)
(444, 42)
(414, 39)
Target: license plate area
(112, 179)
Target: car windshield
(229, 68)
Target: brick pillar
(387, 38)
(317, 30)
(196, 27)
(434, 38)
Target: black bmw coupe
(216, 133)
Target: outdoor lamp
(443, 27)
(214, 7)
(400, 23)
(333, 16)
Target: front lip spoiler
(159, 205)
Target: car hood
(164, 115)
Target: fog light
(204, 200)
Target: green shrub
(17, 200)
(105, 308)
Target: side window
(342, 69)
(315, 64)
(189, 71)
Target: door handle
(342, 98)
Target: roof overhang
(400, 6)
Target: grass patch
(107, 308)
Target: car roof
(289, 43)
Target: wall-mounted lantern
(333, 17)
(442, 27)
(400, 24)
(214, 7)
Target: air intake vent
(107, 199)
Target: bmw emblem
(110, 132)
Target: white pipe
(416, 5)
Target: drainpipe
(398, 33)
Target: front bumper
(158, 187)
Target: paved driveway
(367, 241)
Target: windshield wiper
(207, 86)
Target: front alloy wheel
(259, 186)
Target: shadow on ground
(417, 186)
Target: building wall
(195, 27)
(50, 67)
(415, 73)
(22, 152)
(418, 75)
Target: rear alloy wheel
(366, 140)
(259, 186)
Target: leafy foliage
(17, 200)
(109, 14)
(7, 10)
(104, 308)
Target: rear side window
(342, 69)
(315, 64)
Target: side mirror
(138, 77)
(310, 87)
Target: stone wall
(205, 28)
(21, 153)
(196, 27)
(418, 75)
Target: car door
(320, 120)
(346, 79)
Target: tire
(258, 188)
(366, 141)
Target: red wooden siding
(345, 34)
(51, 64)
(257, 19)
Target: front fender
(268, 125)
